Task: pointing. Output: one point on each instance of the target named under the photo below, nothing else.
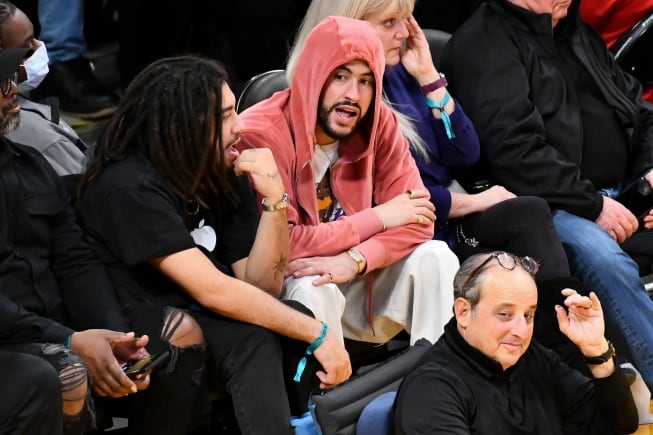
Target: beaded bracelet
(309, 351)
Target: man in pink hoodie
(360, 219)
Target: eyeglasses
(6, 84)
(507, 261)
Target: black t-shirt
(132, 215)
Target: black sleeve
(596, 406)
(20, 326)
(418, 410)
(87, 293)
(490, 80)
(642, 152)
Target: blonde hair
(360, 10)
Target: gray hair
(472, 288)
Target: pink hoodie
(374, 165)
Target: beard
(9, 121)
(9, 124)
(323, 120)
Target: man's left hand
(337, 269)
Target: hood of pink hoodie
(335, 41)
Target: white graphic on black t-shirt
(204, 236)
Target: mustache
(346, 103)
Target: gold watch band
(359, 258)
(279, 205)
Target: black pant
(640, 247)
(243, 360)
(522, 226)
(31, 396)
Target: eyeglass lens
(505, 260)
(5, 85)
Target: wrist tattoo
(273, 176)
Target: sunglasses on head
(507, 261)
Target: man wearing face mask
(41, 126)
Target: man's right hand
(617, 220)
(96, 348)
(335, 361)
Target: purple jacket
(461, 151)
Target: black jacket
(48, 275)
(501, 65)
(455, 389)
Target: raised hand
(417, 57)
(259, 164)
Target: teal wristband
(446, 120)
(309, 351)
(66, 341)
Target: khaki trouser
(415, 294)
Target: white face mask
(36, 68)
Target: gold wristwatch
(359, 258)
(279, 205)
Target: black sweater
(455, 389)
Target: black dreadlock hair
(171, 114)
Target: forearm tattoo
(280, 266)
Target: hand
(583, 324)
(417, 57)
(492, 196)
(259, 164)
(648, 220)
(617, 220)
(338, 269)
(407, 208)
(133, 350)
(335, 362)
(95, 348)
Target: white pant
(415, 294)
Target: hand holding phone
(142, 367)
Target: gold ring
(420, 219)
(410, 194)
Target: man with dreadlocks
(53, 290)
(167, 204)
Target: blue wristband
(446, 120)
(66, 341)
(309, 351)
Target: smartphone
(140, 368)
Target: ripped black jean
(72, 373)
(242, 360)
